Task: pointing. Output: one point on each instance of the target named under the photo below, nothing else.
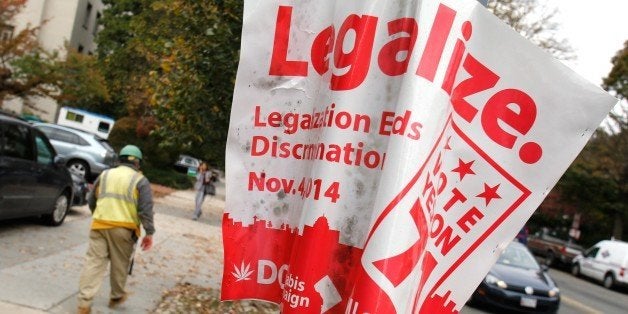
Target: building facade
(74, 22)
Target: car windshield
(518, 255)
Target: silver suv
(87, 155)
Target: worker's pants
(115, 245)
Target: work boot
(84, 310)
(114, 302)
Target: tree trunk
(618, 225)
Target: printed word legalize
(507, 115)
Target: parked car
(185, 162)
(87, 154)
(522, 236)
(517, 283)
(555, 250)
(33, 179)
(606, 261)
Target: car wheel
(575, 270)
(59, 211)
(550, 258)
(609, 281)
(79, 168)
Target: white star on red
(464, 168)
(489, 193)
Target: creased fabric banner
(381, 154)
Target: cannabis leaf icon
(242, 273)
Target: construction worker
(121, 201)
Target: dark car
(516, 283)
(33, 179)
(522, 236)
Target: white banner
(381, 154)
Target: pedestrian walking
(121, 202)
(204, 185)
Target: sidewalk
(183, 251)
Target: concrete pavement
(183, 251)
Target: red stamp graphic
(456, 199)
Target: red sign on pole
(381, 155)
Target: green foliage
(27, 71)
(158, 164)
(119, 56)
(595, 198)
(80, 82)
(168, 177)
(617, 80)
(128, 130)
(596, 184)
(176, 61)
(597, 180)
(73, 81)
(123, 133)
(24, 67)
(197, 71)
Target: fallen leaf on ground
(189, 298)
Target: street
(39, 265)
(580, 296)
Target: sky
(596, 30)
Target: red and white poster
(381, 154)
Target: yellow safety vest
(117, 199)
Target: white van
(86, 121)
(607, 262)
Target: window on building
(72, 116)
(81, 48)
(103, 127)
(6, 33)
(96, 21)
(88, 13)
